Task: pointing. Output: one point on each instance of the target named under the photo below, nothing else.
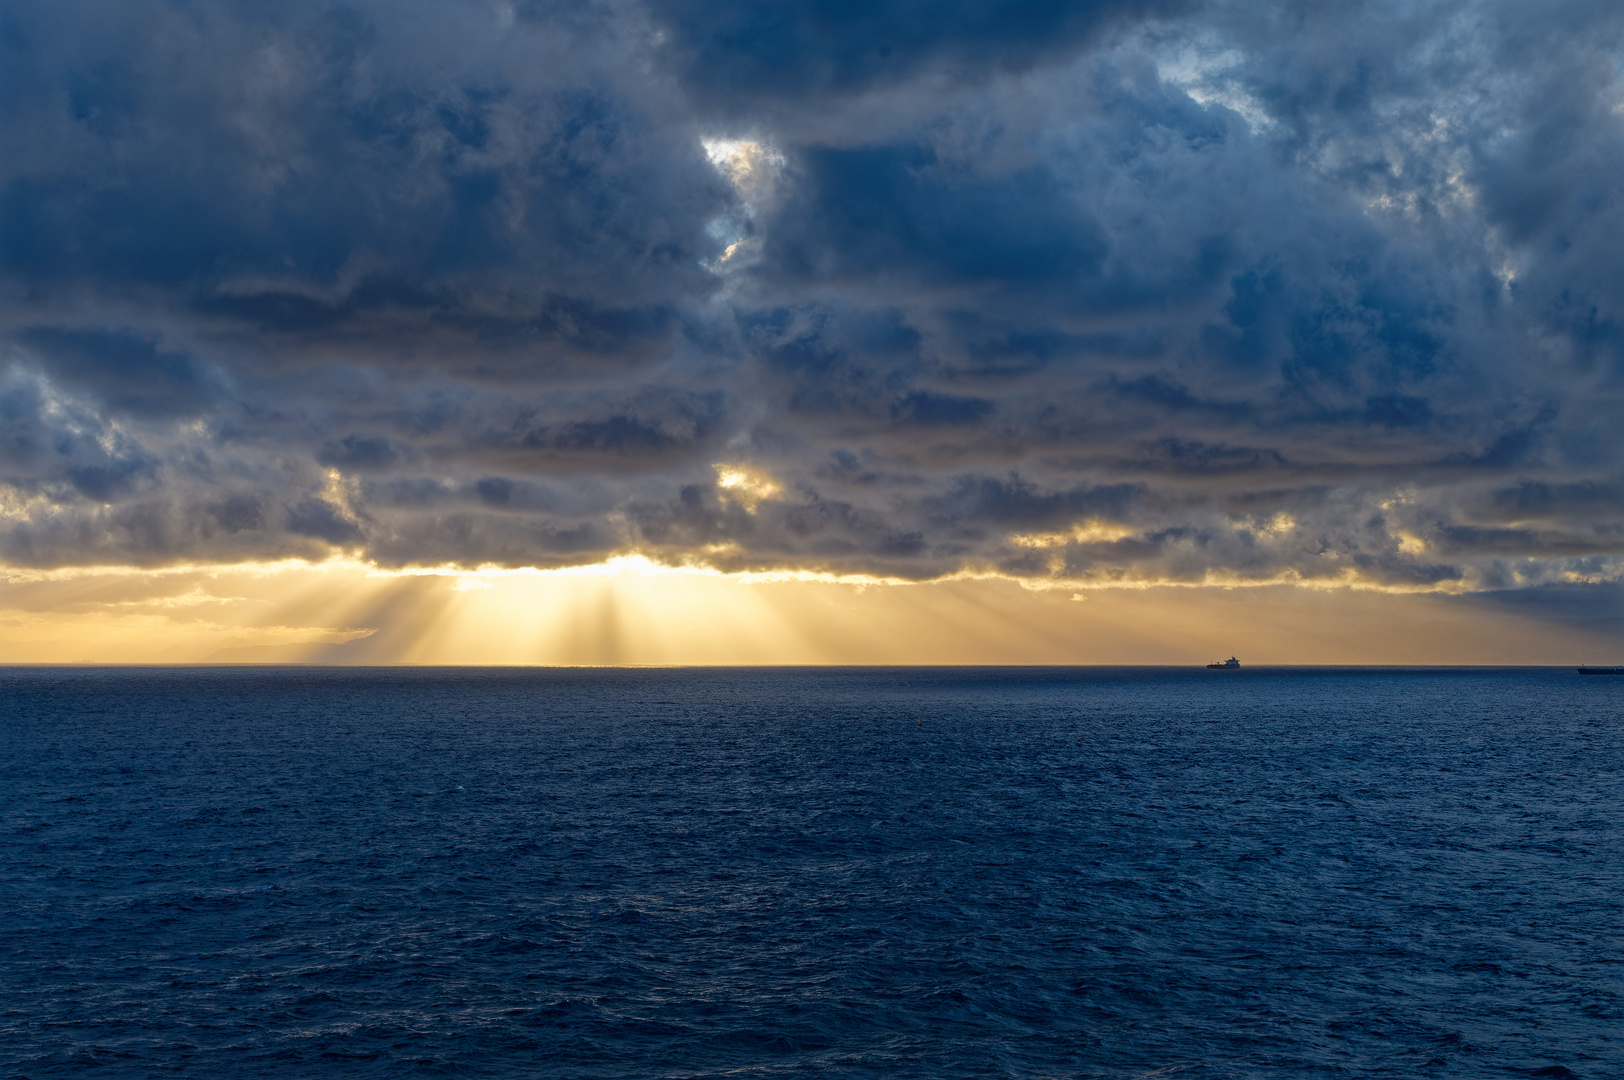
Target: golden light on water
(632, 611)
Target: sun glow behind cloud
(631, 610)
(746, 486)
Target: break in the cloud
(1116, 292)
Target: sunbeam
(635, 612)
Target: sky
(789, 332)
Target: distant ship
(1583, 670)
(1234, 663)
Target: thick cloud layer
(1116, 292)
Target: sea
(811, 872)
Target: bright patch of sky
(1210, 72)
(752, 168)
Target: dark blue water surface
(750, 873)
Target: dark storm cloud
(1113, 291)
(124, 373)
(297, 169)
(733, 52)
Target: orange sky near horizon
(632, 612)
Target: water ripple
(900, 873)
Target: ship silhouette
(1230, 663)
